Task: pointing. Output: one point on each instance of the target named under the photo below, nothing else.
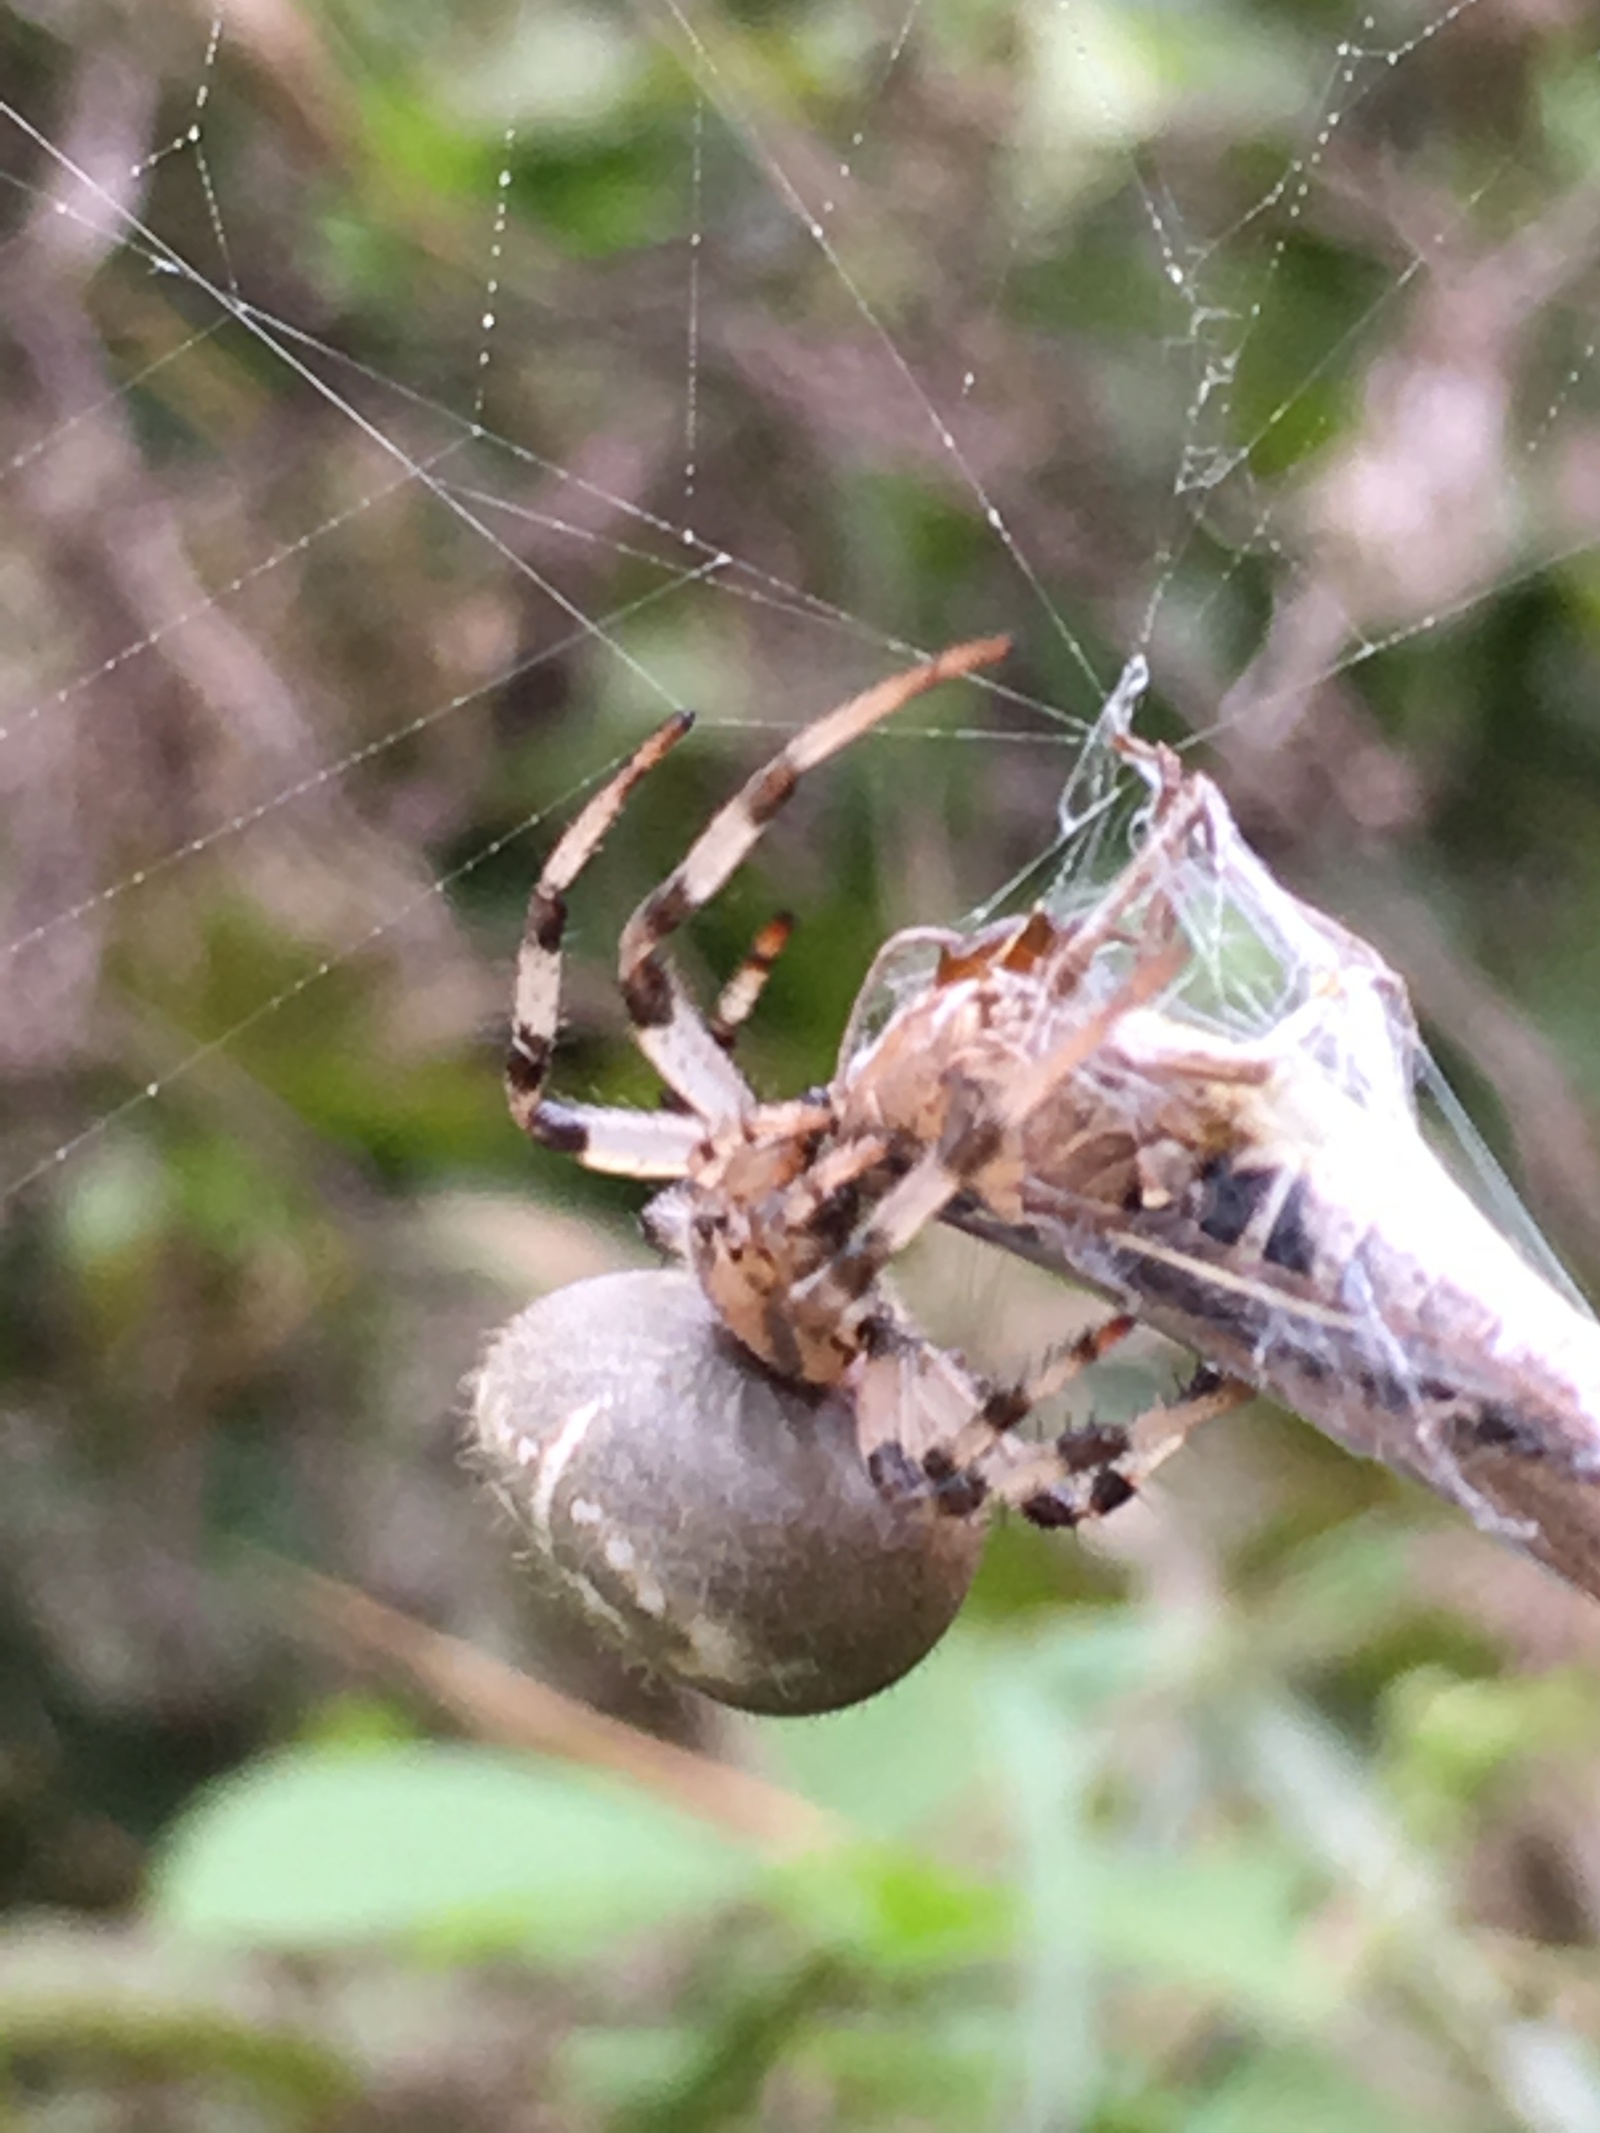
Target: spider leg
(927, 1424)
(1090, 1471)
(960, 1466)
(737, 1000)
(536, 993)
(1007, 1405)
(634, 1144)
(623, 1142)
(675, 1039)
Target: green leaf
(893, 1910)
(1303, 2089)
(1229, 1924)
(315, 1850)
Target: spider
(788, 1213)
(1195, 1094)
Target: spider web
(400, 409)
(714, 337)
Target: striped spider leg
(685, 1050)
(789, 1213)
(737, 1001)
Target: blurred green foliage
(1275, 1812)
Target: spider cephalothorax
(788, 1213)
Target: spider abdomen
(709, 1520)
